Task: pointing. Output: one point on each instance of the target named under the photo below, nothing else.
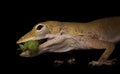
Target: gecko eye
(39, 27)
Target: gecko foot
(58, 62)
(99, 63)
(71, 61)
(66, 61)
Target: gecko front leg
(98, 44)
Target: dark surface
(44, 62)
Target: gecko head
(38, 33)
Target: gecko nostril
(39, 27)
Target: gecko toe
(94, 63)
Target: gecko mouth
(30, 48)
(43, 41)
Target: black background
(26, 17)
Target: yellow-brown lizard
(65, 36)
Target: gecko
(61, 37)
